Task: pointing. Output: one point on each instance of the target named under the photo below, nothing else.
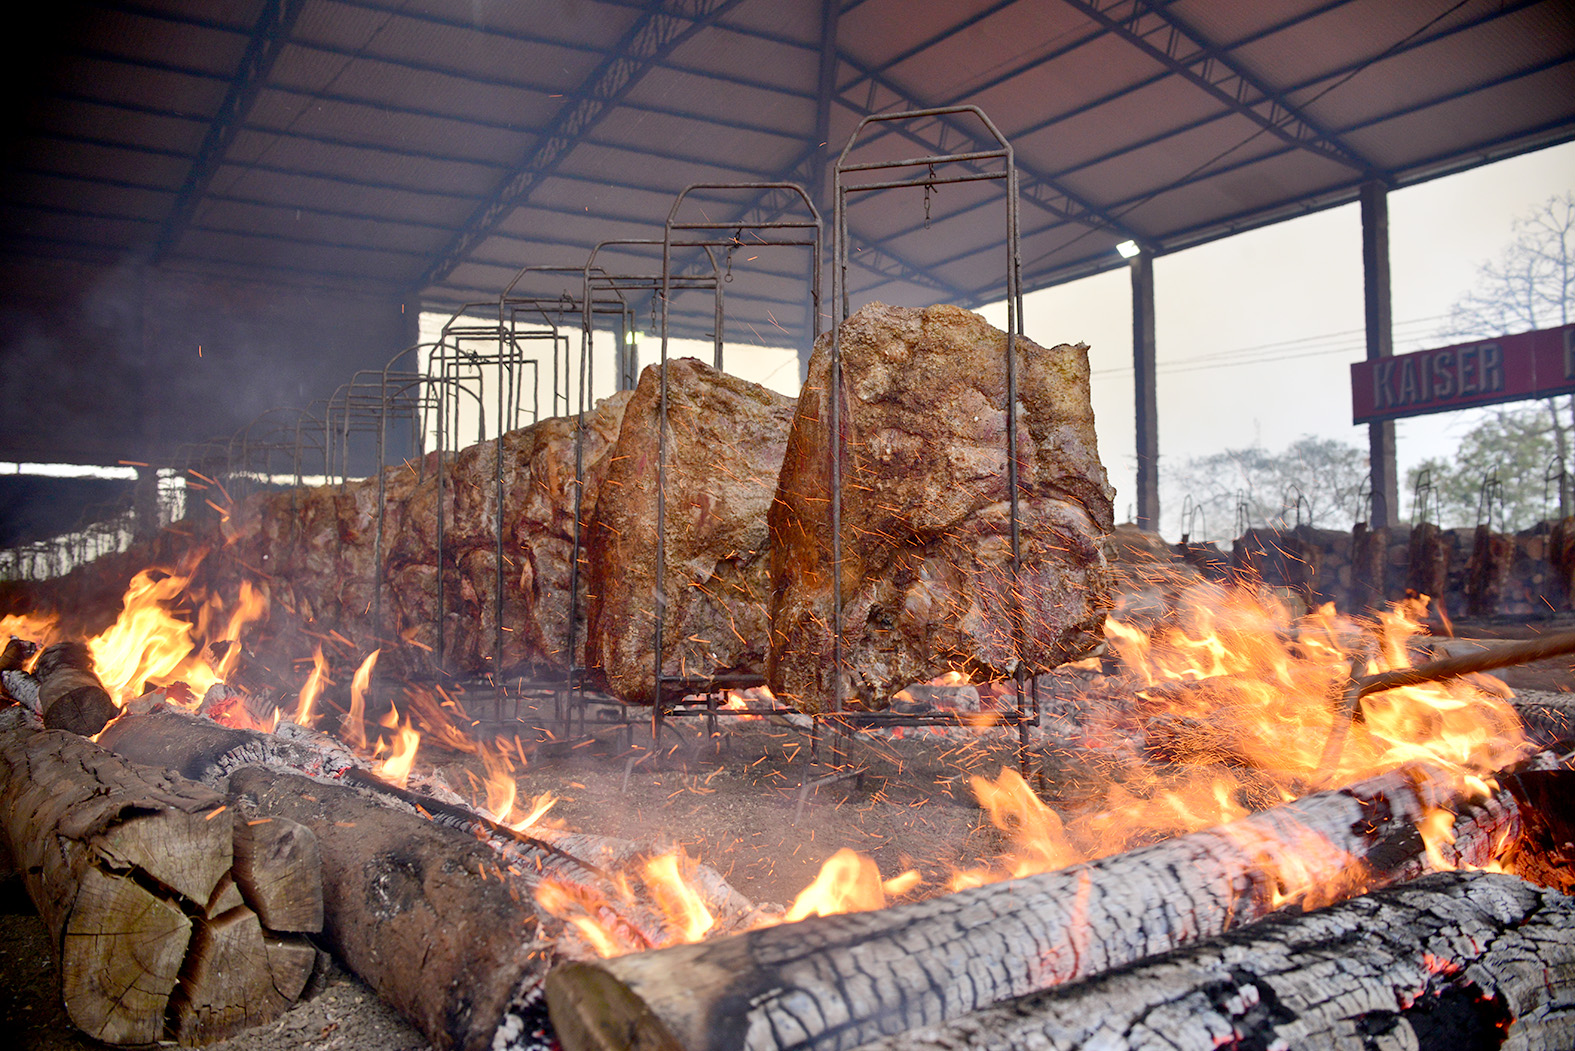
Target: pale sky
(1256, 332)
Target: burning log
(134, 872)
(424, 914)
(839, 981)
(1451, 960)
(927, 576)
(70, 696)
(725, 442)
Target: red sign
(1536, 364)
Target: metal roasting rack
(495, 354)
(710, 235)
(986, 165)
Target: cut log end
(590, 1008)
(277, 863)
(235, 976)
(83, 711)
(120, 957)
(132, 869)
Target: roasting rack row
(499, 357)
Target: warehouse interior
(219, 215)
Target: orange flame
(402, 753)
(353, 728)
(848, 882)
(312, 688)
(148, 645)
(538, 810)
(679, 902)
(252, 606)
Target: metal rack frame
(703, 234)
(1025, 710)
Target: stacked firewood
(180, 864)
(1161, 946)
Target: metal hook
(929, 188)
(738, 239)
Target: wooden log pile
(173, 916)
(1451, 960)
(430, 903)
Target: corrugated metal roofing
(431, 148)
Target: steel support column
(1380, 344)
(1145, 386)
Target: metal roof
(432, 147)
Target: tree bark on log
(428, 902)
(130, 869)
(839, 981)
(423, 914)
(419, 911)
(1452, 960)
(70, 696)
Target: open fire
(1239, 694)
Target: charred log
(424, 914)
(1452, 960)
(837, 981)
(70, 696)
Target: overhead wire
(1327, 344)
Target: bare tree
(1312, 481)
(1531, 286)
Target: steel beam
(1145, 383)
(1033, 186)
(268, 38)
(1380, 344)
(653, 35)
(1154, 29)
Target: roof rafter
(1034, 186)
(1158, 32)
(273, 28)
(653, 35)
